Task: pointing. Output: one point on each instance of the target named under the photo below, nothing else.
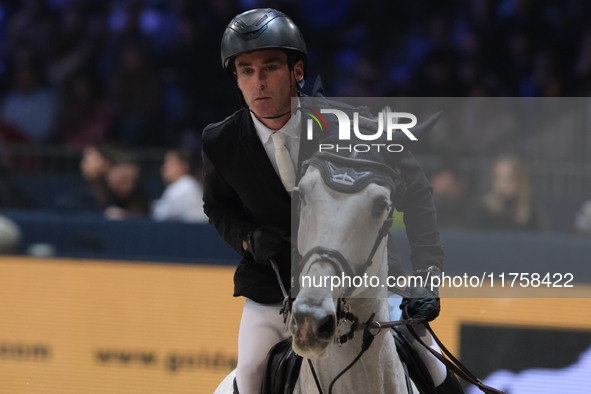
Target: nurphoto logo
(362, 129)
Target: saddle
(282, 367)
(413, 365)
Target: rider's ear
(298, 71)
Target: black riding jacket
(242, 192)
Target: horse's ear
(423, 128)
(318, 89)
(400, 186)
(418, 131)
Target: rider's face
(267, 84)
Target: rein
(452, 363)
(372, 328)
(334, 177)
(368, 336)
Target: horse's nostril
(327, 327)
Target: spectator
(127, 197)
(84, 118)
(77, 41)
(135, 96)
(30, 106)
(450, 194)
(182, 198)
(582, 222)
(33, 23)
(508, 205)
(93, 194)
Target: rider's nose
(260, 80)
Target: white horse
(342, 227)
(340, 231)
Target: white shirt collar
(291, 128)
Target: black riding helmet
(262, 28)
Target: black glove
(266, 243)
(421, 302)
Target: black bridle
(340, 262)
(359, 174)
(348, 175)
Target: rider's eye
(379, 207)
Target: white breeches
(436, 368)
(261, 328)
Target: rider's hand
(266, 243)
(421, 302)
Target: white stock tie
(284, 163)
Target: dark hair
(188, 157)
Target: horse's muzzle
(313, 325)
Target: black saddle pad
(282, 368)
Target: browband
(348, 175)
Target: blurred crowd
(103, 76)
(143, 73)
(147, 72)
(507, 205)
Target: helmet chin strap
(276, 116)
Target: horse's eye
(379, 207)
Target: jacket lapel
(257, 156)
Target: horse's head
(346, 207)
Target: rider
(247, 201)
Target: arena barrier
(90, 326)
